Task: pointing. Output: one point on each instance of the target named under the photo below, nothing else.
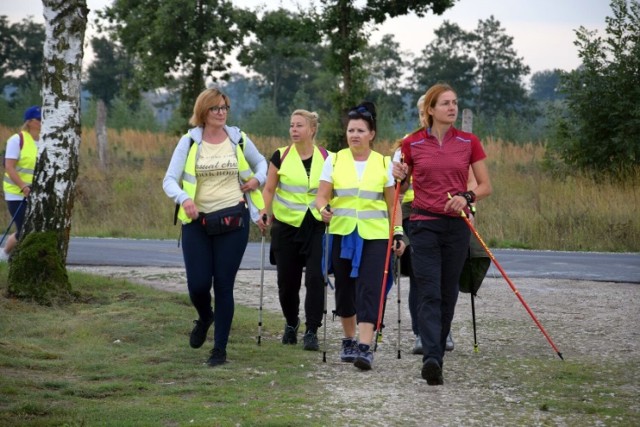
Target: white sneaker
(4, 257)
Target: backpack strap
(175, 214)
(21, 140)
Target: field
(530, 208)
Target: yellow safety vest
(25, 165)
(189, 182)
(361, 202)
(296, 192)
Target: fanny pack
(224, 220)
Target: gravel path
(590, 322)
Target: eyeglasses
(360, 112)
(224, 109)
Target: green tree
(343, 24)
(108, 75)
(281, 54)
(545, 85)
(21, 52)
(449, 58)
(499, 73)
(190, 39)
(599, 132)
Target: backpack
(191, 141)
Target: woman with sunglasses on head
(19, 165)
(214, 177)
(357, 184)
(296, 226)
(437, 158)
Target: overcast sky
(542, 30)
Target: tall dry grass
(528, 208)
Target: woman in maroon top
(438, 158)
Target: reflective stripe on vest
(363, 206)
(25, 166)
(296, 192)
(189, 182)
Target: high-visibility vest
(25, 166)
(359, 202)
(296, 192)
(190, 183)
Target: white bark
(51, 201)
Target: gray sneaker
(450, 345)
(349, 350)
(310, 340)
(417, 348)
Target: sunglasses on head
(360, 111)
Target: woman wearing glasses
(214, 178)
(437, 158)
(296, 226)
(358, 185)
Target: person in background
(214, 176)
(358, 185)
(20, 162)
(297, 227)
(437, 158)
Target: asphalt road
(595, 266)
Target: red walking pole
(513, 287)
(386, 262)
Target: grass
(529, 208)
(119, 356)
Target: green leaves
(599, 132)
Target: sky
(543, 31)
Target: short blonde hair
(208, 98)
(311, 117)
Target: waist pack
(224, 220)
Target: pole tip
(560, 356)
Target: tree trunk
(101, 132)
(38, 267)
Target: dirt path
(591, 322)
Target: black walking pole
(264, 221)
(13, 219)
(326, 285)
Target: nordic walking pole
(513, 287)
(264, 221)
(13, 219)
(386, 262)
(473, 316)
(326, 285)
(397, 273)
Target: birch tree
(37, 270)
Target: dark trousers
(214, 260)
(17, 209)
(293, 254)
(359, 295)
(439, 249)
(413, 292)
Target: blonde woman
(214, 177)
(437, 158)
(296, 226)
